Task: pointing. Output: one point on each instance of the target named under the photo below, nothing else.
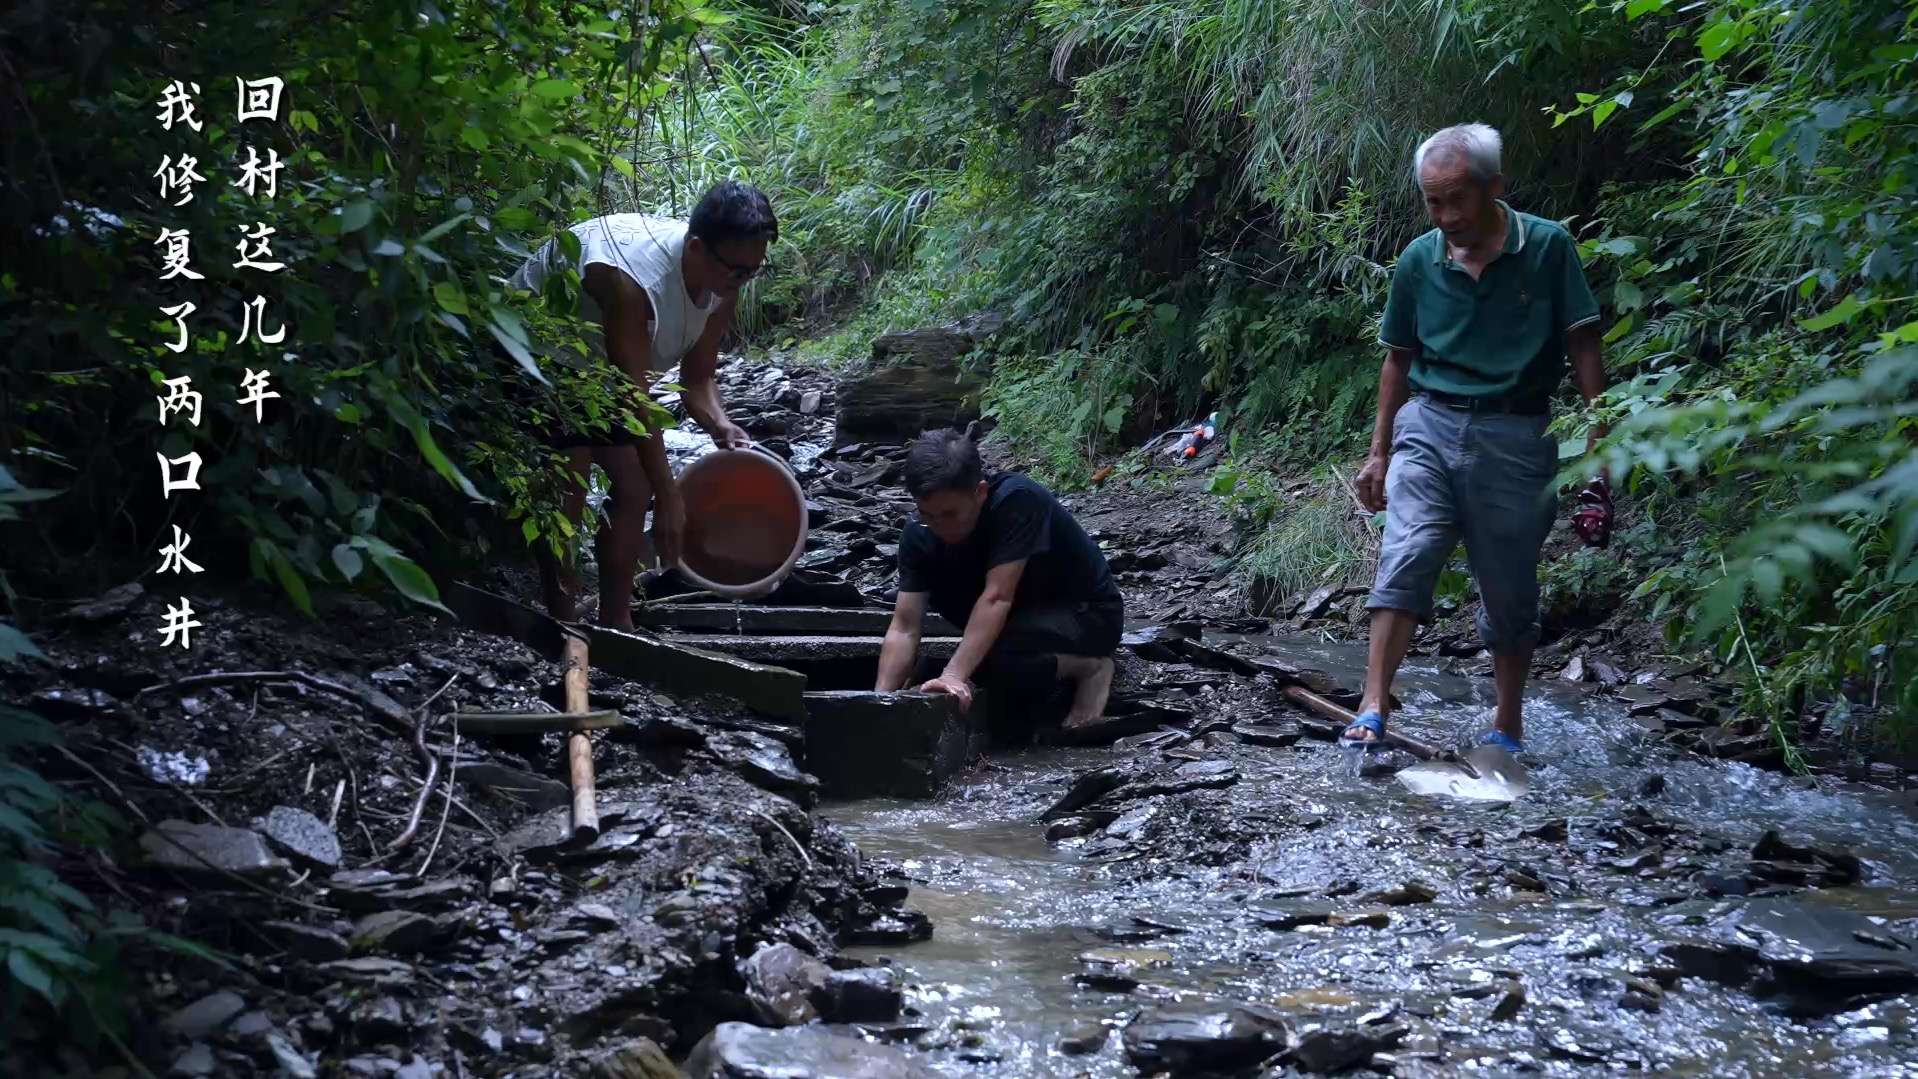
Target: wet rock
(1084, 1039)
(378, 1020)
(1364, 919)
(205, 1016)
(397, 932)
(913, 383)
(1285, 920)
(1771, 852)
(1406, 894)
(302, 837)
(1574, 671)
(780, 983)
(251, 1024)
(308, 942)
(1652, 787)
(1510, 1004)
(765, 763)
(866, 995)
(1088, 789)
(1642, 700)
(1329, 1052)
(640, 1058)
(290, 1060)
(900, 926)
(1273, 735)
(1191, 776)
(1080, 824)
(370, 971)
(191, 848)
(741, 1051)
(1196, 1039)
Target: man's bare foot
(1095, 685)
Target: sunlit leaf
(1844, 312)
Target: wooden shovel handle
(579, 748)
(1305, 698)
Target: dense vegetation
(1179, 206)
(1188, 206)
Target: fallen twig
(537, 722)
(789, 837)
(428, 760)
(392, 717)
(452, 770)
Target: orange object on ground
(1100, 476)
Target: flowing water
(996, 985)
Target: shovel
(1486, 774)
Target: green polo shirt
(1503, 334)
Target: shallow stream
(996, 986)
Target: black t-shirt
(1021, 519)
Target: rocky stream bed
(1207, 890)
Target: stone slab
(778, 621)
(681, 667)
(863, 744)
(807, 648)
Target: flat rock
(1084, 1039)
(865, 995)
(235, 850)
(780, 983)
(396, 932)
(115, 602)
(195, 1061)
(302, 837)
(1200, 1039)
(640, 1058)
(765, 763)
(1272, 735)
(309, 942)
(205, 1016)
(742, 1051)
(1329, 1052)
(538, 792)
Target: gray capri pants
(1482, 476)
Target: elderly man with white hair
(1484, 312)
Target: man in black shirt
(1001, 557)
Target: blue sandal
(1370, 721)
(1504, 741)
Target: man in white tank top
(663, 292)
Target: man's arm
(1394, 386)
(1588, 368)
(901, 650)
(988, 617)
(696, 373)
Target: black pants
(1021, 673)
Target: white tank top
(647, 249)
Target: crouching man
(1000, 557)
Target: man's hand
(728, 435)
(1371, 482)
(669, 524)
(956, 687)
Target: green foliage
(427, 149)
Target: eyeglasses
(739, 273)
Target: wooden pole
(1305, 698)
(579, 748)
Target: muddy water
(997, 987)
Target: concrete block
(676, 667)
(863, 744)
(778, 621)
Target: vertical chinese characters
(259, 99)
(177, 177)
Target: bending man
(1002, 558)
(1482, 314)
(663, 293)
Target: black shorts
(564, 438)
(1021, 660)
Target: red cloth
(1593, 518)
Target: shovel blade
(1485, 774)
